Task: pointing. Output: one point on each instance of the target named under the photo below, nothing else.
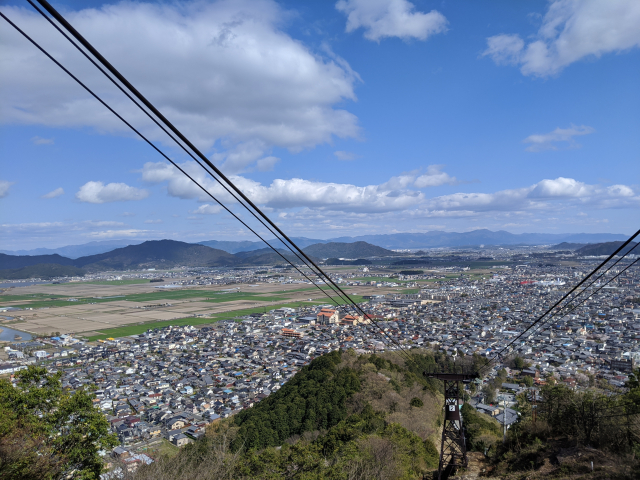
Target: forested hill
(606, 248)
(343, 416)
(347, 250)
(151, 254)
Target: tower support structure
(453, 450)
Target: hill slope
(21, 261)
(343, 416)
(606, 248)
(157, 253)
(44, 271)
(347, 250)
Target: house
(489, 410)
(180, 440)
(351, 320)
(287, 332)
(327, 316)
(174, 423)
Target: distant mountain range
(166, 254)
(77, 251)
(438, 239)
(151, 254)
(435, 239)
(477, 237)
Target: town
(166, 384)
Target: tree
(489, 393)
(47, 432)
(518, 363)
(528, 381)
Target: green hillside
(347, 250)
(44, 271)
(343, 416)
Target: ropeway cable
(594, 271)
(574, 307)
(341, 294)
(150, 106)
(570, 305)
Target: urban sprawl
(168, 384)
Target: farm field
(106, 309)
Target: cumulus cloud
(4, 188)
(98, 192)
(391, 18)
(392, 195)
(548, 141)
(223, 71)
(54, 193)
(42, 141)
(345, 156)
(434, 178)
(571, 30)
(540, 196)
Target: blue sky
(344, 118)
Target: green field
(42, 301)
(143, 327)
(33, 296)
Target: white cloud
(4, 188)
(54, 193)
(124, 233)
(571, 30)
(207, 209)
(222, 71)
(42, 141)
(542, 196)
(504, 49)
(98, 192)
(292, 193)
(434, 178)
(153, 222)
(345, 156)
(39, 234)
(266, 164)
(391, 18)
(547, 141)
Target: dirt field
(89, 308)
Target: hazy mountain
(157, 254)
(606, 248)
(477, 237)
(247, 246)
(76, 251)
(346, 250)
(151, 254)
(390, 241)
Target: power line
(591, 294)
(561, 300)
(332, 285)
(52, 11)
